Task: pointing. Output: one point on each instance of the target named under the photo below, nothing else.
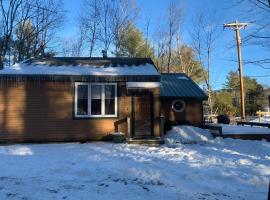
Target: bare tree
(89, 24)
(48, 19)
(9, 11)
(204, 33)
(257, 12)
(105, 34)
(28, 27)
(71, 47)
(38, 23)
(123, 12)
(161, 50)
(147, 40)
(175, 15)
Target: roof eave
(186, 98)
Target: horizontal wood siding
(192, 114)
(44, 112)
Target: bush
(223, 119)
(118, 137)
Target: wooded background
(28, 29)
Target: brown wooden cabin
(181, 100)
(82, 99)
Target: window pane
(109, 91)
(96, 99)
(82, 100)
(96, 107)
(96, 91)
(109, 99)
(109, 106)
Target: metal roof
(180, 85)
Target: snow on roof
(183, 78)
(44, 68)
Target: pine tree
(133, 43)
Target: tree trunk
(1, 62)
(208, 84)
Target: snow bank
(264, 119)
(43, 69)
(187, 134)
(237, 129)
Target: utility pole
(236, 26)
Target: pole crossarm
(236, 25)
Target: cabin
(182, 100)
(83, 99)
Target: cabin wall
(193, 114)
(43, 111)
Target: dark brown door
(142, 108)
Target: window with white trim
(95, 99)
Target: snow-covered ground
(264, 119)
(209, 169)
(239, 129)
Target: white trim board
(149, 85)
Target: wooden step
(148, 141)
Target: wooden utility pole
(236, 26)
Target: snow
(264, 119)
(238, 129)
(183, 78)
(143, 84)
(43, 69)
(118, 133)
(187, 134)
(217, 169)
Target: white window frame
(103, 115)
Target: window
(82, 100)
(178, 105)
(95, 99)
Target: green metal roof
(180, 85)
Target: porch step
(146, 141)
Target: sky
(224, 57)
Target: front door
(142, 115)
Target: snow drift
(187, 134)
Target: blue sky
(225, 12)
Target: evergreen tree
(24, 43)
(254, 92)
(133, 43)
(224, 104)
